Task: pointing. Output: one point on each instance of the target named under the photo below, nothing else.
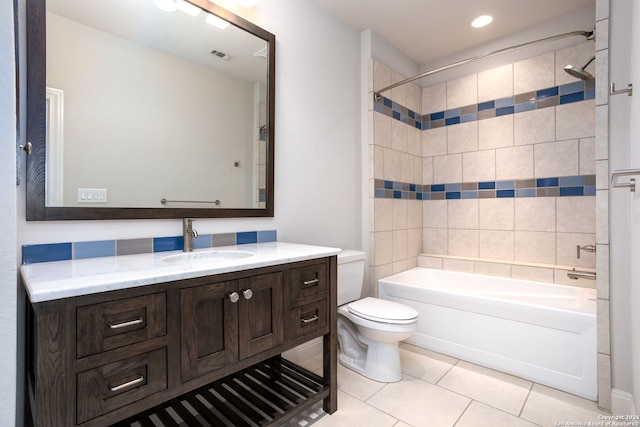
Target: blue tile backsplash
(550, 97)
(579, 185)
(103, 248)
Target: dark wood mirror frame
(36, 132)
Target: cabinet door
(209, 328)
(261, 315)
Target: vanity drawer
(308, 281)
(120, 383)
(308, 318)
(114, 324)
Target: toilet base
(381, 363)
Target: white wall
(317, 136)
(8, 289)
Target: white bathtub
(545, 333)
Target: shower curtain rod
(587, 34)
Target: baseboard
(622, 403)
(304, 352)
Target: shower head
(580, 73)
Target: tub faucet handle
(586, 248)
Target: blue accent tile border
(549, 97)
(103, 248)
(578, 185)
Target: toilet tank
(350, 275)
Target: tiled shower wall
(513, 152)
(395, 156)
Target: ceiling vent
(222, 55)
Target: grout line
(526, 399)
(463, 412)
(445, 374)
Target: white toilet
(369, 329)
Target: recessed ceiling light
(482, 21)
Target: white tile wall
(534, 73)
(549, 142)
(495, 244)
(396, 234)
(435, 214)
(556, 158)
(535, 246)
(462, 138)
(532, 127)
(462, 213)
(462, 91)
(495, 83)
(535, 214)
(479, 166)
(463, 242)
(434, 142)
(496, 132)
(447, 168)
(576, 215)
(497, 214)
(514, 162)
(588, 156)
(575, 120)
(434, 98)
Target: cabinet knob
(234, 297)
(247, 293)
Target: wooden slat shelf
(265, 394)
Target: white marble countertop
(62, 279)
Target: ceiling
(427, 30)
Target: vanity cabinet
(226, 321)
(171, 349)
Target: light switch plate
(92, 195)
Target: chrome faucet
(188, 234)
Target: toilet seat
(383, 311)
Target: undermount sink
(208, 256)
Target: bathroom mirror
(147, 109)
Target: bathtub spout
(574, 274)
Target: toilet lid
(380, 310)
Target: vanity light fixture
(216, 22)
(482, 21)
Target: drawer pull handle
(310, 282)
(131, 383)
(137, 321)
(247, 293)
(310, 320)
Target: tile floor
(439, 390)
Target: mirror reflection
(153, 104)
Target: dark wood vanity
(204, 350)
